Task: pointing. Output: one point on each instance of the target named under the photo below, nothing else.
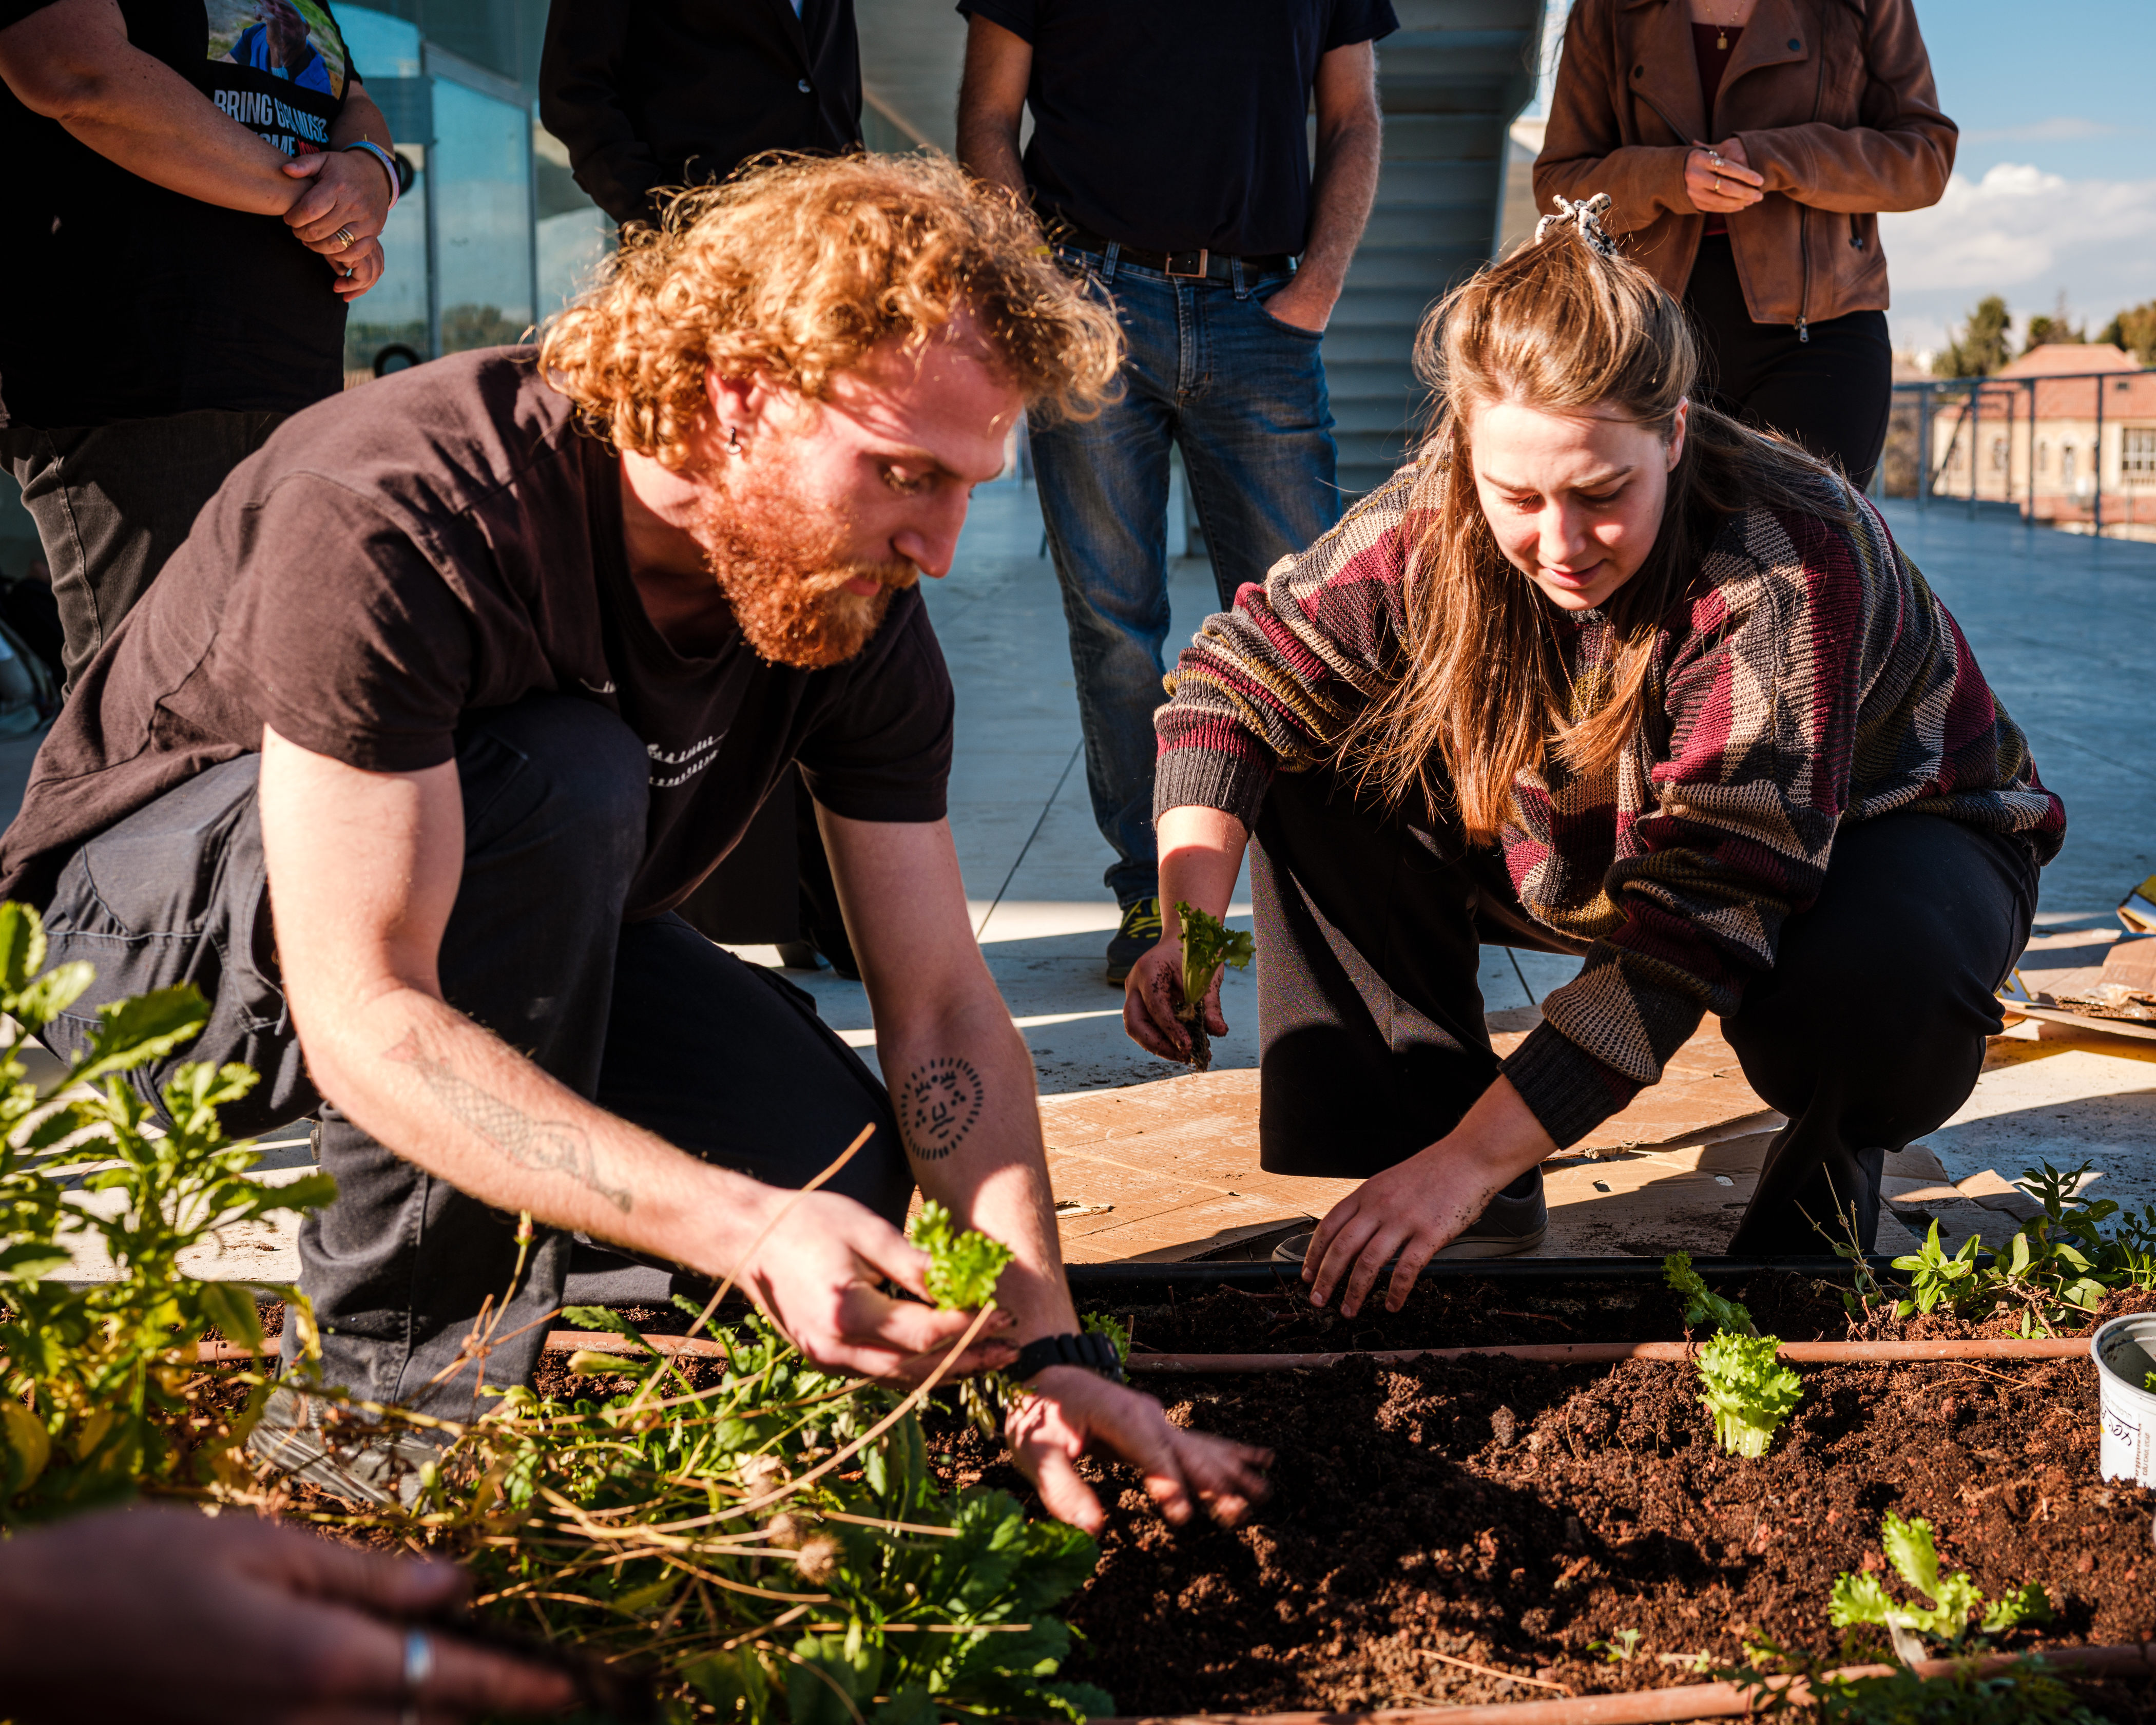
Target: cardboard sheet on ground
(1168, 1171)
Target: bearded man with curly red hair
(468, 679)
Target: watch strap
(1087, 1348)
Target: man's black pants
(1868, 1032)
(648, 1019)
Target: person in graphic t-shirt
(458, 689)
(279, 46)
(183, 230)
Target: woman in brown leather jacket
(1747, 146)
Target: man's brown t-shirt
(444, 540)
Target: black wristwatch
(1093, 1351)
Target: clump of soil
(1433, 1518)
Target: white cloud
(2024, 234)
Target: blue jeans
(1243, 395)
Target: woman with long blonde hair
(1600, 671)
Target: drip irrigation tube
(1085, 1278)
(1576, 1354)
(1237, 1364)
(1653, 1706)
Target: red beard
(781, 567)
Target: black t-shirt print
(124, 300)
(278, 67)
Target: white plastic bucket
(2125, 1353)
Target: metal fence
(2040, 436)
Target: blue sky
(2055, 182)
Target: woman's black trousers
(1829, 389)
(1868, 1032)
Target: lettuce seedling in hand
(1749, 1392)
(963, 1267)
(1208, 945)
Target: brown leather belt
(1212, 266)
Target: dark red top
(1713, 62)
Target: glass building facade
(494, 233)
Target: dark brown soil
(1509, 1516)
(1453, 1313)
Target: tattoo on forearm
(937, 1105)
(554, 1146)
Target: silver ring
(418, 1667)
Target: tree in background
(1981, 348)
(2055, 329)
(2135, 330)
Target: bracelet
(388, 167)
(1092, 1350)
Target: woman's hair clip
(1586, 217)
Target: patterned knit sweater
(1808, 678)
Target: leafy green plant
(2056, 1269)
(770, 1547)
(1956, 1610)
(1207, 945)
(1749, 1392)
(963, 1267)
(98, 1379)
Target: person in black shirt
(194, 195)
(1170, 166)
(457, 690)
(650, 95)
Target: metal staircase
(1450, 82)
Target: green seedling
(963, 1267)
(2055, 1270)
(1619, 1648)
(1749, 1392)
(1956, 1608)
(1207, 947)
(1100, 1323)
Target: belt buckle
(1186, 275)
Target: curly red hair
(796, 268)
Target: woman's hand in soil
(1416, 1207)
(235, 1620)
(816, 1272)
(1072, 1410)
(1151, 992)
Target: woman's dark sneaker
(1516, 1220)
(1138, 935)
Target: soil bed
(1509, 1515)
